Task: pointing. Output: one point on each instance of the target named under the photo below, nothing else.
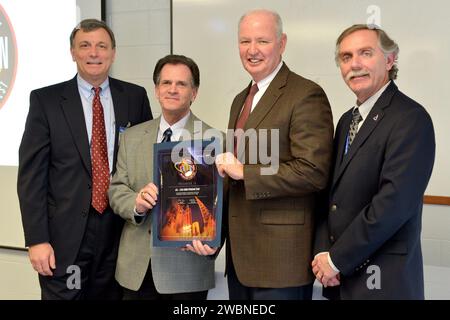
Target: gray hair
(387, 45)
(276, 16)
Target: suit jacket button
(332, 238)
(84, 213)
(149, 231)
(333, 208)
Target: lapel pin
(375, 118)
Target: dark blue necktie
(166, 135)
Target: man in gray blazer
(144, 271)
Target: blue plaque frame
(190, 198)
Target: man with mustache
(369, 241)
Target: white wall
(89, 9)
(142, 30)
(18, 280)
(436, 235)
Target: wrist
(137, 213)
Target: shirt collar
(366, 106)
(267, 80)
(180, 124)
(86, 87)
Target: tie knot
(356, 115)
(97, 90)
(167, 135)
(253, 89)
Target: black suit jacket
(54, 180)
(376, 198)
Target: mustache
(358, 73)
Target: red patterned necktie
(245, 113)
(99, 156)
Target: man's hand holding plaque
(146, 198)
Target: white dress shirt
(264, 84)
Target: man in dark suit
(67, 154)
(271, 206)
(369, 244)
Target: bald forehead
(259, 15)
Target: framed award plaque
(189, 203)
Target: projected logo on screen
(8, 56)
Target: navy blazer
(373, 221)
(54, 179)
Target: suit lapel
(236, 110)
(340, 144)
(237, 106)
(263, 106)
(73, 112)
(148, 140)
(269, 98)
(191, 128)
(368, 127)
(364, 132)
(120, 105)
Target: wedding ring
(142, 194)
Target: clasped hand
(324, 272)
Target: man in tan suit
(271, 213)
(147, 272)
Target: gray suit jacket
(173, 270)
